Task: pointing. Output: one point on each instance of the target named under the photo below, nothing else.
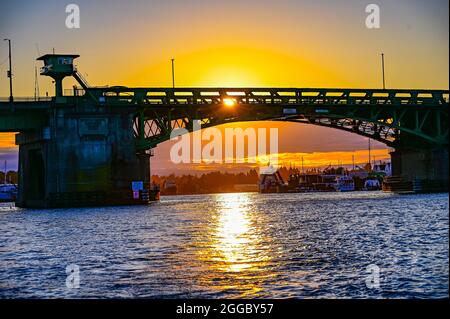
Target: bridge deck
(277, 96)
(206, 96)
(377, 113)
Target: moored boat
(344, 183)
(8, 192)
(372, 184)
(169, 187)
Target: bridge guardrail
(28, 99)
(269, 96)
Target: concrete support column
(85, 159)
(419, 170)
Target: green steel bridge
(103, 133)
(383, 115)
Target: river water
(332, 245)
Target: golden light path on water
(237, 249)
(235, 235)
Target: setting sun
(229, 102)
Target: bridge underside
(419, 137)
(95, 149)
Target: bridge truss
(382, 115)
(389, 116)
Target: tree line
(11, 177)
(207, 183)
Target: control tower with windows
(58, 66)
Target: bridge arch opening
(8, 167)
(320, 146)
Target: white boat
(383, 167)
(270, 181)
(8, 192)
(344, 183)
(372, 184)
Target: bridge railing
(28, 99)
(268, 96)
(74, 92)
(211, 96)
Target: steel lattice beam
(384, 115)
(380, 114)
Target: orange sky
(286, 43)
(303, 43)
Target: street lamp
(382, 68)
(173, 72)
(9, 73)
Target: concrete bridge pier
(423, 170)
(83, 160)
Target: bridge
(93, 146)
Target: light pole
(11, 99)
(382, 67)
(173, 73)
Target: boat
(372, 184)
(8, 192)
(270, 181)
(330, 180)
(169, 187)
(384, 168)
(326, 183)
(344, 183)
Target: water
(231, 246)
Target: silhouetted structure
(94, 147)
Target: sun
(229, 102)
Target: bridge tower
(83, 153)
(58, 66)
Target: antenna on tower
(36, 79)
(37, 49)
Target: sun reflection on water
(235, 234)
(236, 254)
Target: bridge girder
(383, 115)
(386, 130)
(22, 121)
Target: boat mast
(5, 172)
(303, 166)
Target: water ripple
(232, 246)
